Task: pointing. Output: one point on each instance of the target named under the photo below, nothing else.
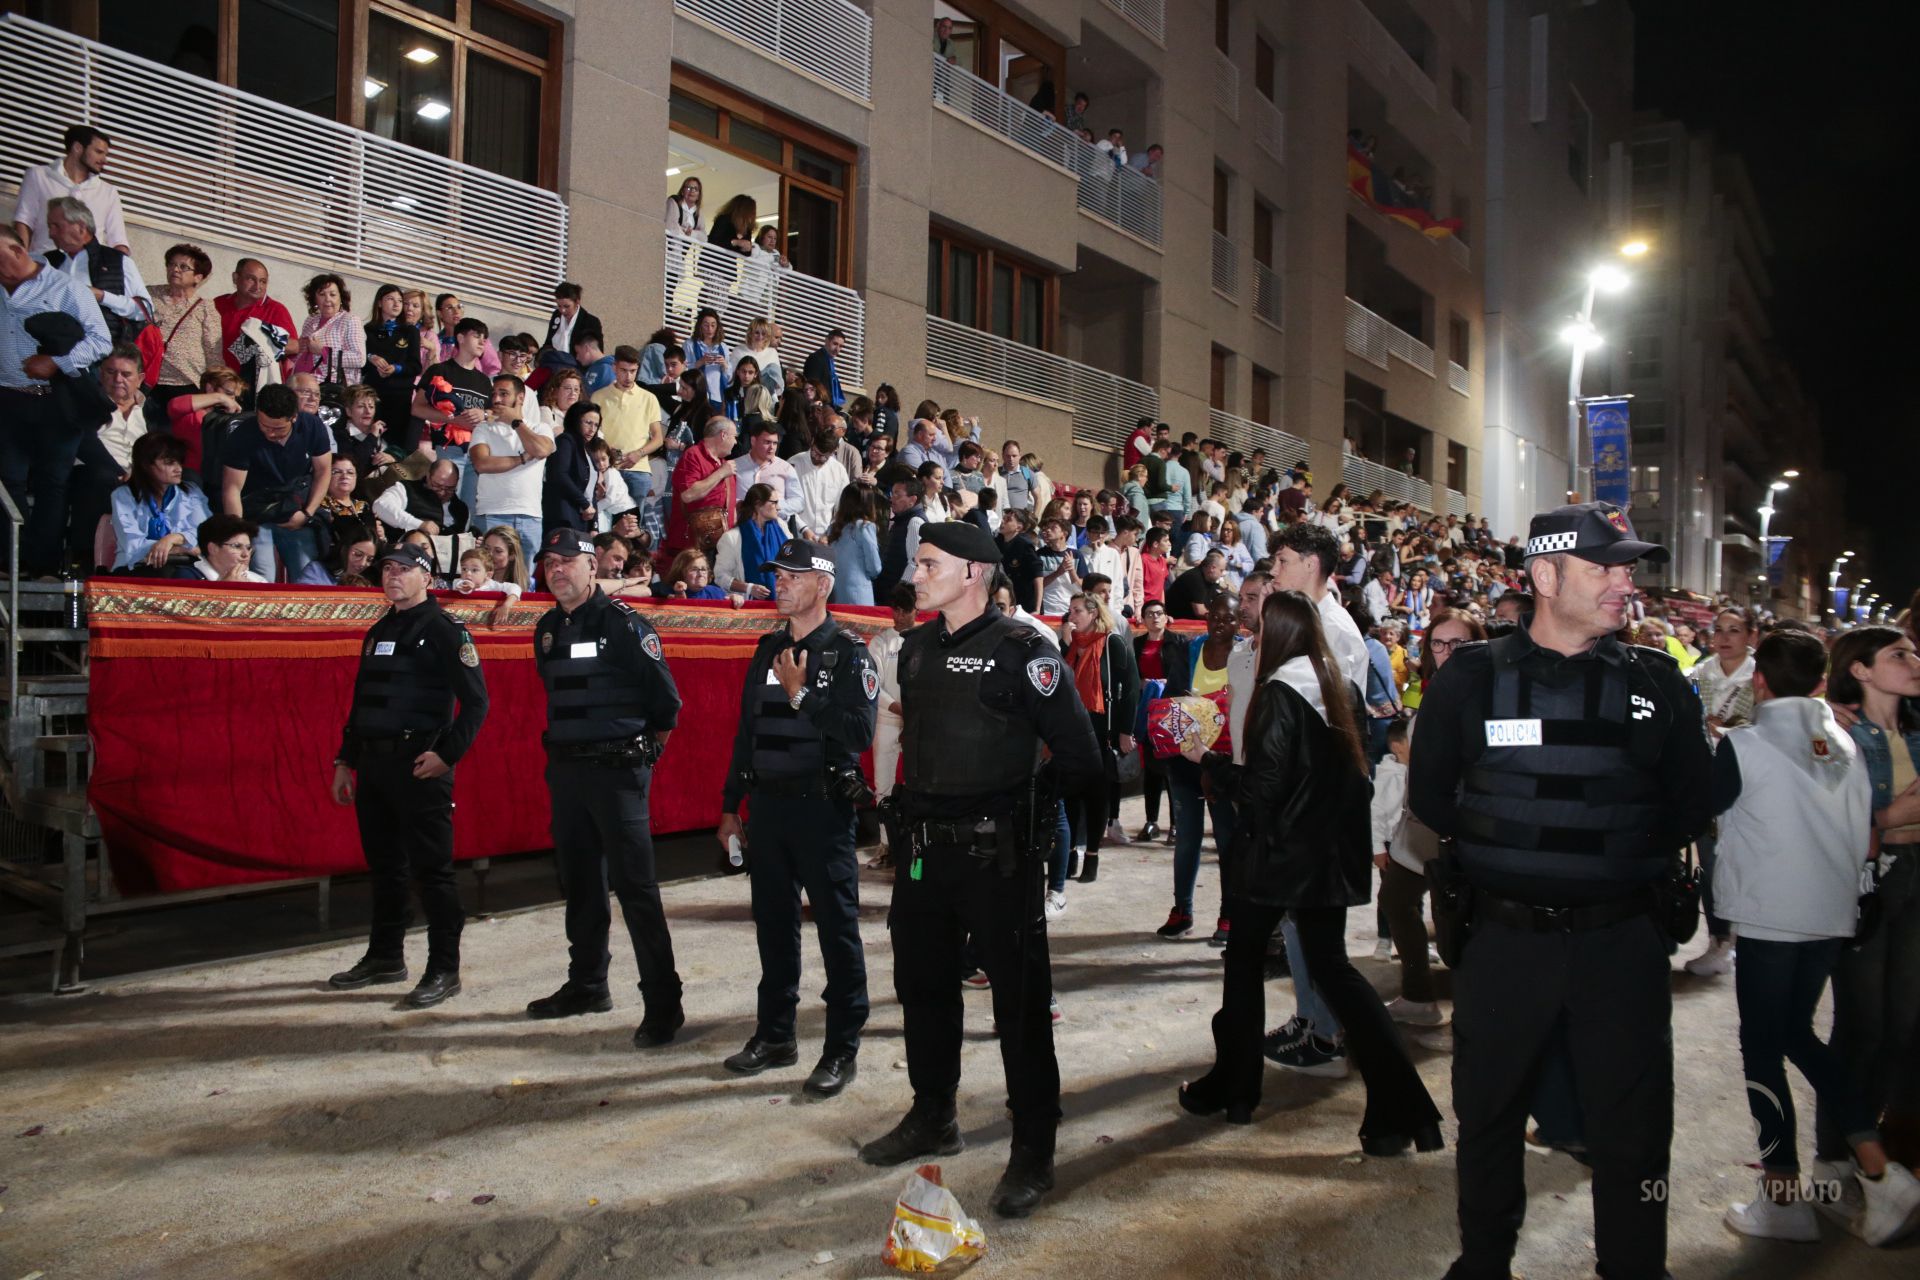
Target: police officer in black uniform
(806, 714)
(1567, 769)
(611, 703)
(395, 767)
(980, 694)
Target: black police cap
(800, 556)
(1595, 531)
(958, 538)
(410, 554)
(566, 542)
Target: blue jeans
(296, 548)
(526, 528)
(1062, 844)
(1778, 985)
(1716, 927)
(1306, 997)
(1189, 826)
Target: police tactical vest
(893, 560)
(954, 743)
(1568, 787)
(588, 698)
(787, 744)
(401, 691)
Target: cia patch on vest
(1513, 733)
(1044, 674)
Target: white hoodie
(1791, 849)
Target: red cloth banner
(215, 712)
(1364, 181)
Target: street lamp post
(1583, 337)
(1766, 519)
(1833, 584)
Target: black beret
(958, 538)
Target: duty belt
(805, 784)
(1522, 915)
(642, 749)
(396, 741)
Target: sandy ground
(237, 1120)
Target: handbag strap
(183, 319)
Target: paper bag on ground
(929, 1226)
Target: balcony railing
(1267, 295)
(1456, 504)
(805, 307)
(1125, 197)
(192, 157)
(1245, 435)
(1389, 53)
(1226, 84)
(829, 40)
(1226, 266)
(1269, 127)
(1364, 478)
(1373, 340)
(1459, 251)
(1457, 378)
(1104, 405)
(1148, 15)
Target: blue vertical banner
(1840, 603)
(1776, 557)
(1612, 436)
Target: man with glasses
(226, 547)
(395, 766)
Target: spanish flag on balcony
(1364, 179)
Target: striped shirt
(45, 292)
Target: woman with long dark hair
(565, 492)
(853, 540)
(1301, 847)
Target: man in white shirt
(1374, 595)
(760, 464)
(1303, 560)
(822, 479)
(79, 174)
(508, 455)
(108, 272)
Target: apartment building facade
(974, 249)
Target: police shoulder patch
(650, 645)
(469, 656)
(546, 642)
(869, 681)
(1044, 675)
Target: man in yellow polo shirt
(632, 425)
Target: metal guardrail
(831, 40)
(1148, 15)
(1269, 127)
(1456, 504)
(1374, 339)
(1244, 434)
(700, 274)
(1364, 477)
(194, 156)
(1125, 197)
(1226, 84)
(1457, 378)
(1268, 295)
(1390, 54)
(1226, 266)
(1104, 405)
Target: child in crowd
(611, 497)
(1796, 803)
(476, 574)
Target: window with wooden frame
(473, 80)
(817, 171)
(1008, 52)
(1264, 79)
(975, 284)
(1264, 221)
(1263, 387)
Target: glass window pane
(502, 128)
(512, 29)
(180, 34)
(933, 276)
(811, 164)
(754, 140)
(694, 117)
(963, 285)
(813, 233)
(1002, 300)
(410, 98)
(438, 8)
(268, 28)
(1033, 311)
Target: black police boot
(571, 1001)
(915, 1136)
(433, 988)
(834, 1073)
(760, 1054)
(368, 971)
(659, 1026)
(1089, 868)
(1028, 1178)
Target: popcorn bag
(930, 1228)
(1198, 720)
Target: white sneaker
(1892, 1205)
(1383, 949)
(1771, 1220)
(1415, 1012)
(1836, 1192)
(1716, 960)
(1056, 904)
(1076, 858)
(1116, 834)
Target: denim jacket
(1878, 754)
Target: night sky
(1813, 98)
